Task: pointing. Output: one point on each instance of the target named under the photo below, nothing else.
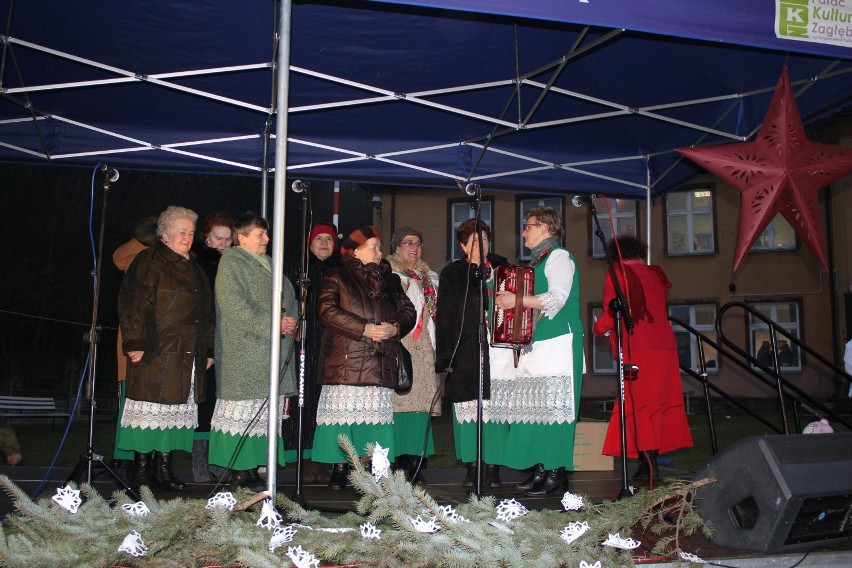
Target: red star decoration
(781, 171)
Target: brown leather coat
(165, 308)
(351, 296)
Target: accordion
(513, 327)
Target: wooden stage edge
(445, 486)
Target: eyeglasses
(528, 225)
(418, 244)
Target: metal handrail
(783, 387)
(701, 376)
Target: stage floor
(445, 486)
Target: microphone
(580, 200)
(299, 186)
(110, 173)
(471, 189)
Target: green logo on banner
(793, 18)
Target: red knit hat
(323, 228)
(358, 237)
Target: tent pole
(279, 195)
(648, 209)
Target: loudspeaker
(781, 492)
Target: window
(702, 318)
(689, 222)
(459, 211)
(623, 217)
(786, 315)
(778, 235)
(602, 355)
(525, 205)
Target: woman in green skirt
(166, 315)
(364, 313)
(412, 411)
(238, 431)
(457, 353)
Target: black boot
(416, 465)
(470, 478)
(553, 479)
(655, 469)
(141, 470)
(200, 471)
(164, 473)
(403, 464)
(642, 470)
(492, 476)
(536, 476)
(339, 476)
(247, 478)
(647, 465)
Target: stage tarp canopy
(545, 96)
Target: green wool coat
(243, 318)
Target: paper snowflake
(223, 500)
(269, 517)
(67, 498)
(584, 564)
(451, 515)
(138, 509)
(509, 510)
(302, 558)
(571, 502)
(615, 541)
(423, 526)
(133, 545)
(690, 557)
(574, 531)
(281, 535)
(370, 531)
(381, 464)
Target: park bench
(23, 407)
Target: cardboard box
(588, 443)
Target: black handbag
(404, 370)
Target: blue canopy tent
(554, 96)
(406, 94)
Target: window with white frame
(460, 211)
(621, 214)
(689, 222)
(702, 318)
(778, 235)
(525, 205)
(602, 354)
(788, 316)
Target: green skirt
(117, 453)
(327, 449)
(144, 440)
(533, 443)
(494, 436)
(225, 450)
(410, 429)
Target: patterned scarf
(540, 250)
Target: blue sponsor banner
(742, 22)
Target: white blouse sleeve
(559, 269)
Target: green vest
(567, 320)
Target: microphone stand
(90, 458)
(480, 278)
(621, 312)
(304, 286)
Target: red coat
(656, 418)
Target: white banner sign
(818, 21)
